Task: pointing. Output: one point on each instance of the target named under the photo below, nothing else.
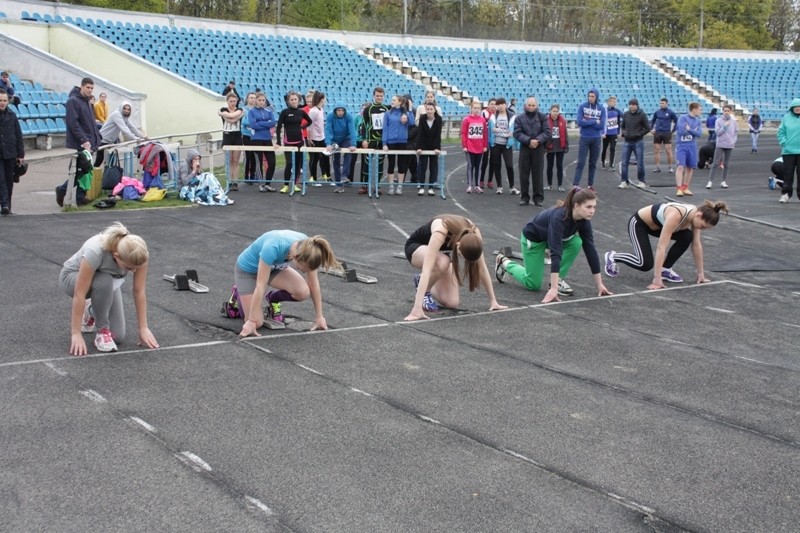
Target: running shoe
(274, 312)
(679, 191)
(499, 190)
(104, 341)
(421, 192)
(667, 274)
(266, 188)
(514, 190)
(612, 269)
(564, 289)
(469, 190)
(623, 185)
(784, 199)
(641, 184)
(284, 189)
(87, 322)
(500, 271)
(709, 184)
(724, 185)
(431, 192)
(398, 190)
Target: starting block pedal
(186, 282)
(273, 324)
(349, 274)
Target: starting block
(273, 324)
(348, 274)
(508, 252)
(186, 282)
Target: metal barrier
(373, 163)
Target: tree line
(715, 24)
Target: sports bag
(112, 174)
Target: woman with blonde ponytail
(279, 259)
(437, 249)
(93, 277)
(669, 221)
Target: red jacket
(558, 126)
(474, 134)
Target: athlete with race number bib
(475, 142)
(689, 128)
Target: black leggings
(642, 256)
(317, 157)
(791, 166)
(263, 162)
(249, 159)
(558, 159)
(498, 152)
(298, 164)
(609, 141)
(428, 162)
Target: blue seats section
(39, 103)
(767, 84)
(276, 65)
(553, 76)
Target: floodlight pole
(405, 17)
(702, 13)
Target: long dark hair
(464, 241)
(575, 196)
(710, 211)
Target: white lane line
(304, 367)
(719, 309)
(93, 395)
(359, 391)
(55, 369)
(398, 228)
(142, 423)
(254, 340)
(193, 461)
(109, 354)
(260, 506)
(428, 419)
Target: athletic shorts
(411, 247)
(662, 137)
(231, 138)
(246, 282)
(686, 155)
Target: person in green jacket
(789, 139)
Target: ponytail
(130, 248)
(315, 252)
(710, 211)
(575, 196)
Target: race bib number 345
(475, 131)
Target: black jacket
(429, 137)
(11, 146)
(529, 126)
(80, 121)
(634, 126)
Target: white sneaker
(398, 190)
(431, 192)
(723, 185)
(87, 322)
(499, 190)
(623, 185)
(469, 190)
(514, 190)
(641, 184)
(420, 191)
(670, 170)
(709, 184)
(104, 341)
(784, 199)
(391, 190)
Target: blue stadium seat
(41, 125)
(22, 111)
(61, 125)
(51, 125)
(23, 124)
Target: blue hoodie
(592, 117)
(261, 120)
(689, 129)
(340, 130)
(613, 119)
(394, 132)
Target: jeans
(341, 161)
(591, 148)
(638, 148)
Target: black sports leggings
(642, 256)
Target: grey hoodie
(118, 124)
(185, 172)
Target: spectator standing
(119, 123)
(316, 137)
(429, 138)
(711, 123)
(756, 125)
(289, 132)
(634, 127)
(231, 88)
(232, 136)
(247, 136)
(12, 152)
(475, 143)
(82, 132)
(500, 151)
(340, 130)
(556, 147)
(789, 139)
(261, 120)
(727, 134)
(101, 110)
(532, 131)
(396, 123)
(373, 134)
(487, 114)
(663, 124)
(591, 118)
(430, 98)
(689, 128)
(613, 118)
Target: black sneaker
(500, 271)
